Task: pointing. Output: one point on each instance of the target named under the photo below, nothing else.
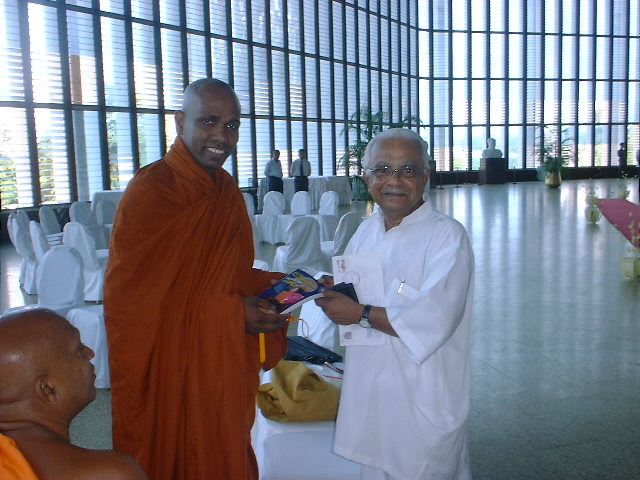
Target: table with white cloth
(112, 196)
(297, 450)
(317, 185)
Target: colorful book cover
(292, 290)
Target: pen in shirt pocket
(401, 285)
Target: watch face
(364, 323)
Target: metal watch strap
(364, 317)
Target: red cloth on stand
(184, 375)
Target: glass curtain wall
(507, 69)
(88, 88)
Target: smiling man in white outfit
(405, 402)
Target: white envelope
(364, 271)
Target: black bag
(302, 349)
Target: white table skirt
(110, 195)
(337, 183)
(295, 450)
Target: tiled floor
(556, 340)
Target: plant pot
(592, 213)
(553, 179)
(630, 267)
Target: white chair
(50, 225)
(266, 223)
(81, 212)
(60, 281)
(21, 239)
(248, 201)
(38, 240)
(302, 247)
(300, 205)
(23, 219)
(94, 260)
(261, 264)
(347, 226)
(328, 215)
(89, 320)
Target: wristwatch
(364, 317)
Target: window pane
(52, 156)
(115, 64)
(15, 169)
(171, 68)
(82, 62)
(11, 77)
(120, 149)
(149, 138)
(88, 153)
(45, 54)
(144, 66)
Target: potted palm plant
(555, 152)
(363, 125)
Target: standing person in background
(181, 311)
(46, 380)
(405, 401)
(300, 171)
(273, 173)
(622, 154)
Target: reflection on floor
(556, 340)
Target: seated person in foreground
(46, 379)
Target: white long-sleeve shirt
(404, 404)
(300, 169)
(273, 168)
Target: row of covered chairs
(271, 225)
(32, 242)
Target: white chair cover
(300, 205)
(94, 261)
(266, 223)
(328, 215)
(89, 320)
(302, 248)
(248, 201)
(347, 226)
(80, 212)
(38, 240)
(261, 264)
(23, 219)
(50, 225)
(61, 279)
(21, 239)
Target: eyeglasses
(406, 171)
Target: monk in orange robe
(13, 465)
(46, 379)
(181, 311)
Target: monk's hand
(260, 316)
(339, 308)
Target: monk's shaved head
(195, 90)
(209, 122)
(35, 344)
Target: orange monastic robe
(13, 465)
(184, 375)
